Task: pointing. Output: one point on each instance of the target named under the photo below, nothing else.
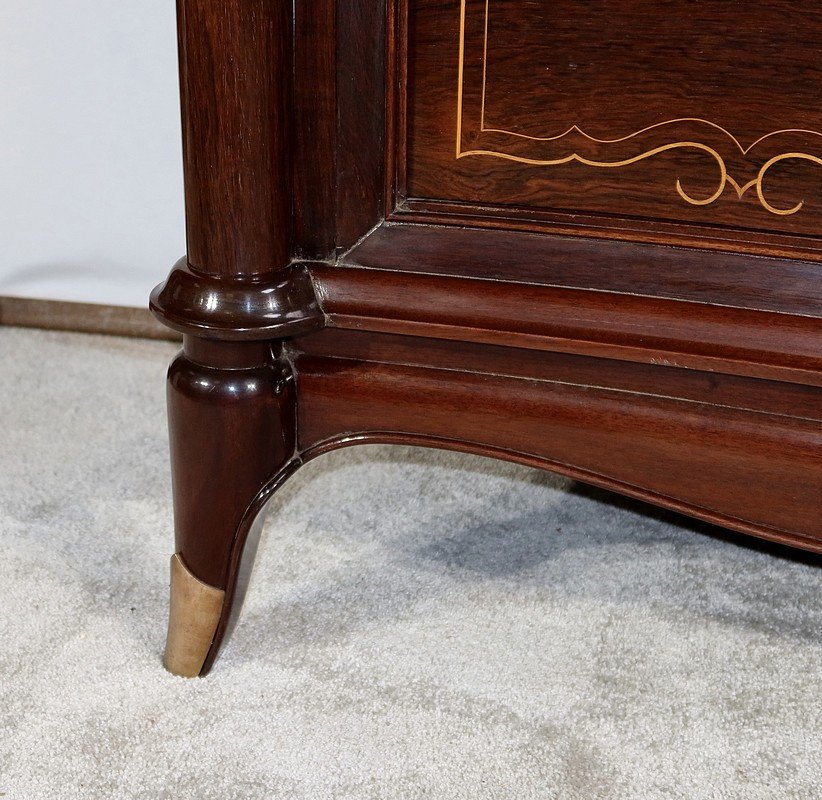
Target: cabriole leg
(231, 411)
(230, 396)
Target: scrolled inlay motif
(575, 134)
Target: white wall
(91, 204)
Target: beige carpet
(418, 625)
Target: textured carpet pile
(418, 624)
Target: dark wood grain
(315, 128)
(719, 463)
(614, 66)
(237, 280)
(361, 95)
(459, 285)
(231, 403)
(234, 70)
(685, 92)
(786, 286)
(709, 388)
(235, 67)
(350, 279)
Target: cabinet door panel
(700, 114)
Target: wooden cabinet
(583, 236)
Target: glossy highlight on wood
(284, 305)
(359, 272)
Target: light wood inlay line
(725, 178)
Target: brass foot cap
(193, 618)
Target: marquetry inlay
(574, 144)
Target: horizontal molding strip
(735, 341)
(522, 312)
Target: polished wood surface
(359, 272)
(785, 286)
(235, 88)
(716, 461)
(315, 129)
(283, 305)
(237, 280)
(232, 425)
(701, 115)
(708, 313)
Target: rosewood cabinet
(584, 236)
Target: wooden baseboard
(64, 315)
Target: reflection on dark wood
(316, 313)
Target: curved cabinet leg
(231, 411)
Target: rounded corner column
(235, 296)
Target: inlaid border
(725, 178)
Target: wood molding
(713, 312)
(283, 305)
(734, 341)
(65, 315)
(785, 286)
